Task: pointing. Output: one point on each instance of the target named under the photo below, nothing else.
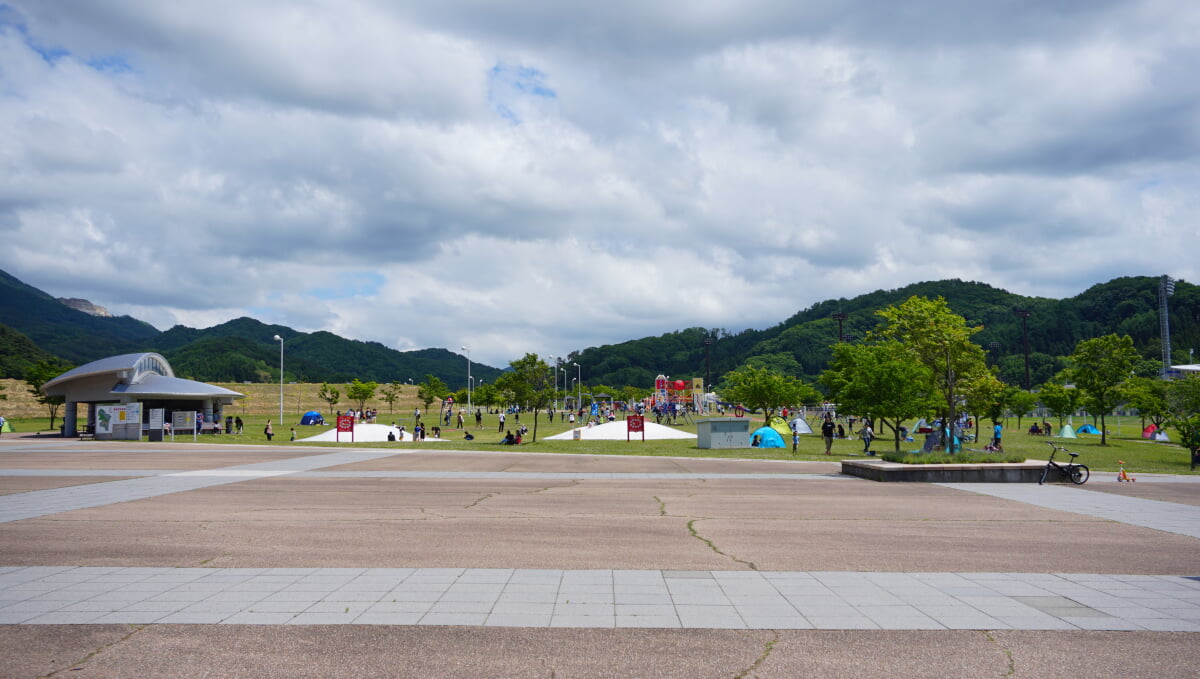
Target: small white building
(145, 378)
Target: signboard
(119, 421)
(156, 424)
(345, 423)
(184, 420)
(635, 424)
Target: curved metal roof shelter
(132, 378)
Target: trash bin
(228, 424)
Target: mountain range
(35, 326)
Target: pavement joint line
(37, 595)
(1170, 517)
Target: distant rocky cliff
(86, 307)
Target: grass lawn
(1124, 443)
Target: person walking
(269, 430)
(237, 422)
(795, 440)
(867, 435)
(501, 427)
(827, 431)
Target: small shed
(723, 432)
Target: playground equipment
(1122, 475)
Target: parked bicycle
(1078, 473)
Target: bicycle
(1078, 473)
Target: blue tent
(1087, 429)
(769, 438)
(312, 417)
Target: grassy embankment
(262, 403)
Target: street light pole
(1024, 315)
(280, 340)
(469, 408)
(554, 369)
(579, 385)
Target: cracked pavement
(803, 520)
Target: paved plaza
(115, 555)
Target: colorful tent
(1148, 432)
(1087, 429)
(769, 438)
(1067, 432)
(780, 425)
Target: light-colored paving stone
(701, 600)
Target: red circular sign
(345, 423)
(680, 385)
(636, 423)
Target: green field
(1124, 443)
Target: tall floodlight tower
(1166, 288)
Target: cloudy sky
(546, 176)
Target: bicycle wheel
(1079, 474)
(1045, 473)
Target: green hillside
(802, 344)
(60, 330)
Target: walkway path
(583, 598)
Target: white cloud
(522, 177)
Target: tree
(761, 389)
(879, 381)
(1183, 403)
(985, 395)
(1099, 366)
(529, 383)
(1059, 400)
(390, 393)
(41, 373)
(1149, 396)
(330, 395)
(431, 390)
(1020, 403)
(940, 340)
(361, 392)
(485, 395)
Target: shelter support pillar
(70, 412)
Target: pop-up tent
(769, 438)
(1067, 432)
(312, 417)
(1087, 429)
(1148, 432)
(800, 425)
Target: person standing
(2, 423)
(795, 440)
(237, 422)
(827, 431)
(268, 430)
(501, 427)
(997, 433)
(478, 418)
(867, 435)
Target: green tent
(1067, 432)
(7, 427)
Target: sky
(517, 176)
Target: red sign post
(345, 423)
(634, 424)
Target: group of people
(511, 439)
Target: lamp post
(579, 386)
(554, 370)
(468, 377)
(708, 341)
(280, 340)
(1024, 315)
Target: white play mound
(616, 431)
(366, 433)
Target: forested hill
(34, 326)
(801, 345)
(58, 329)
